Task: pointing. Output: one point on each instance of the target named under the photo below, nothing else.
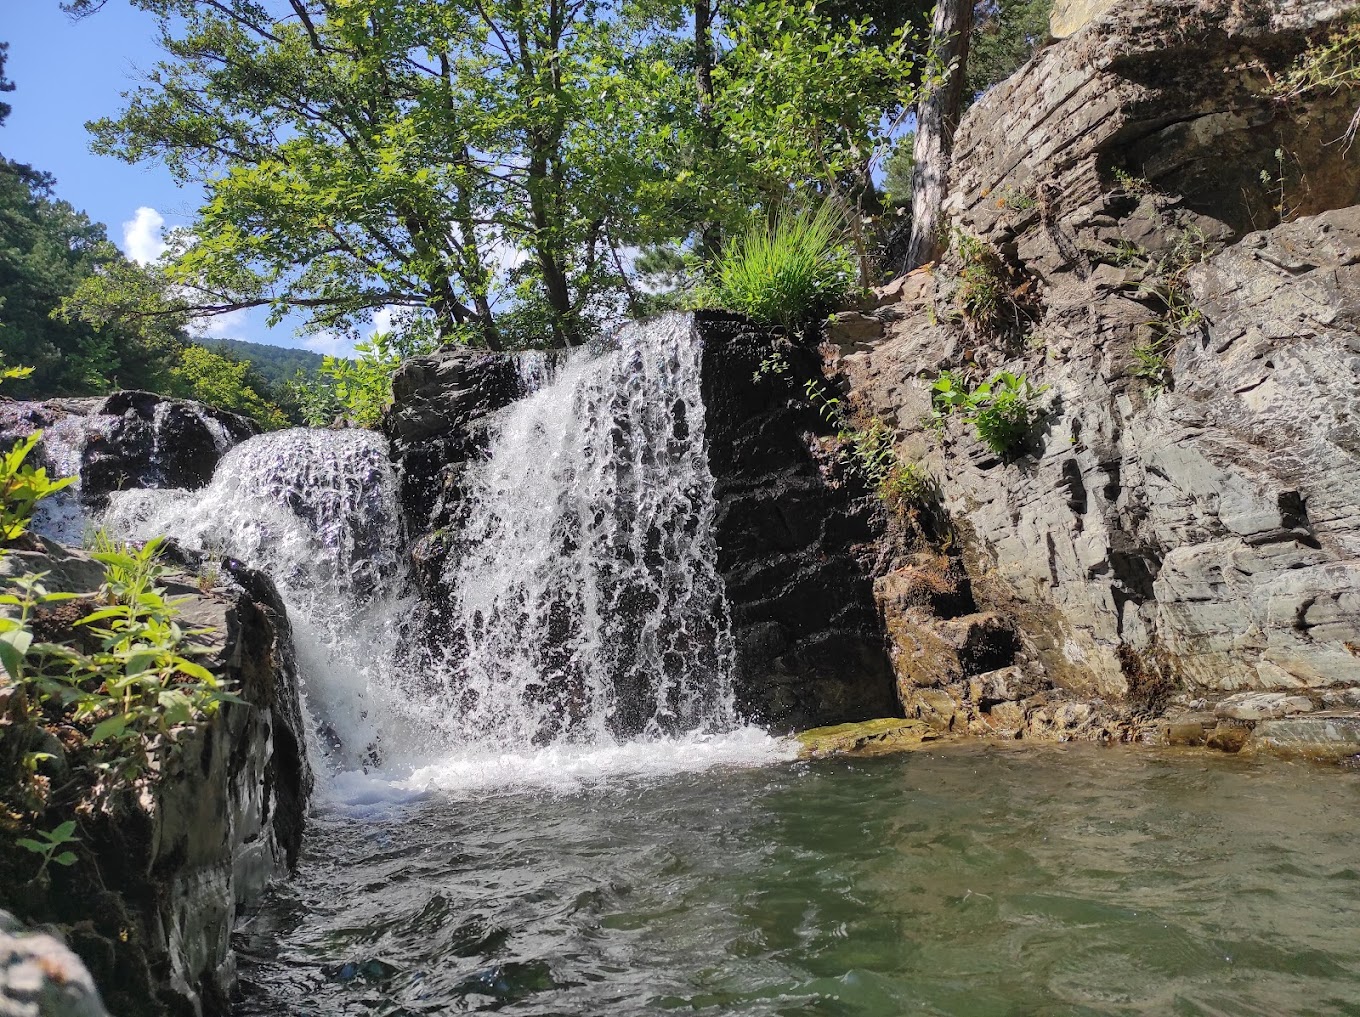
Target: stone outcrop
(1180, 523)
(41, 977)
(125, 440)
(163, 867)
(795, 541)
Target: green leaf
(110, 728)
(66, 858)
(62, 833)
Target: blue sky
(70, 72)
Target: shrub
(134, 686)
(990, 295)
(785, 272)
(1001, 409)
(869, 453)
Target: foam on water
(559, 769)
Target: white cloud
(329, 343)
(143, 239)
(382, 320)
(231, 325)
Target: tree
(814, 105)
(444, 158)
(47, 248)
(937, 117)
(220, 381)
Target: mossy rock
(866, 738)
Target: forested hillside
(48, 250)
(275, 365)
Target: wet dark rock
(791, 541)
(154, 441)
(127, 440)
(437, 402)
(149, 906)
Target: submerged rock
(865, 738)
(1321, 737)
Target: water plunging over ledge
(586, 631)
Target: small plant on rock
(1001, 409)
(870, 453)
(49, 844)
(1328, 67)
(990, 296)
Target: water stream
(980, 881)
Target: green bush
(131, 683)
(785, 272)
(357, 390)
(871, 454)
(1001, 409)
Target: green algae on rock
(866, 738)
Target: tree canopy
(486, 169)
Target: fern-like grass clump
(784, 272)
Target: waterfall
(317, 510)
(586, 603)
(586, 628)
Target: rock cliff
(1182, 522)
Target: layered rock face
(163, 868)
(1182, 522)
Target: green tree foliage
(356, 391)
(1006, 33)
(210, 377)
(49, 252)
(487, 166)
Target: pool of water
(975, 880)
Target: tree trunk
(710, 237)
(937, 117)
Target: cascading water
(317, 510)
(586, 603)
(586, 630)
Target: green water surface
(982, 881)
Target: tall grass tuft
(783, 272)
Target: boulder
(149, 440)
(165, 865)
(41, 977)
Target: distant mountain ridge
(275, 364)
